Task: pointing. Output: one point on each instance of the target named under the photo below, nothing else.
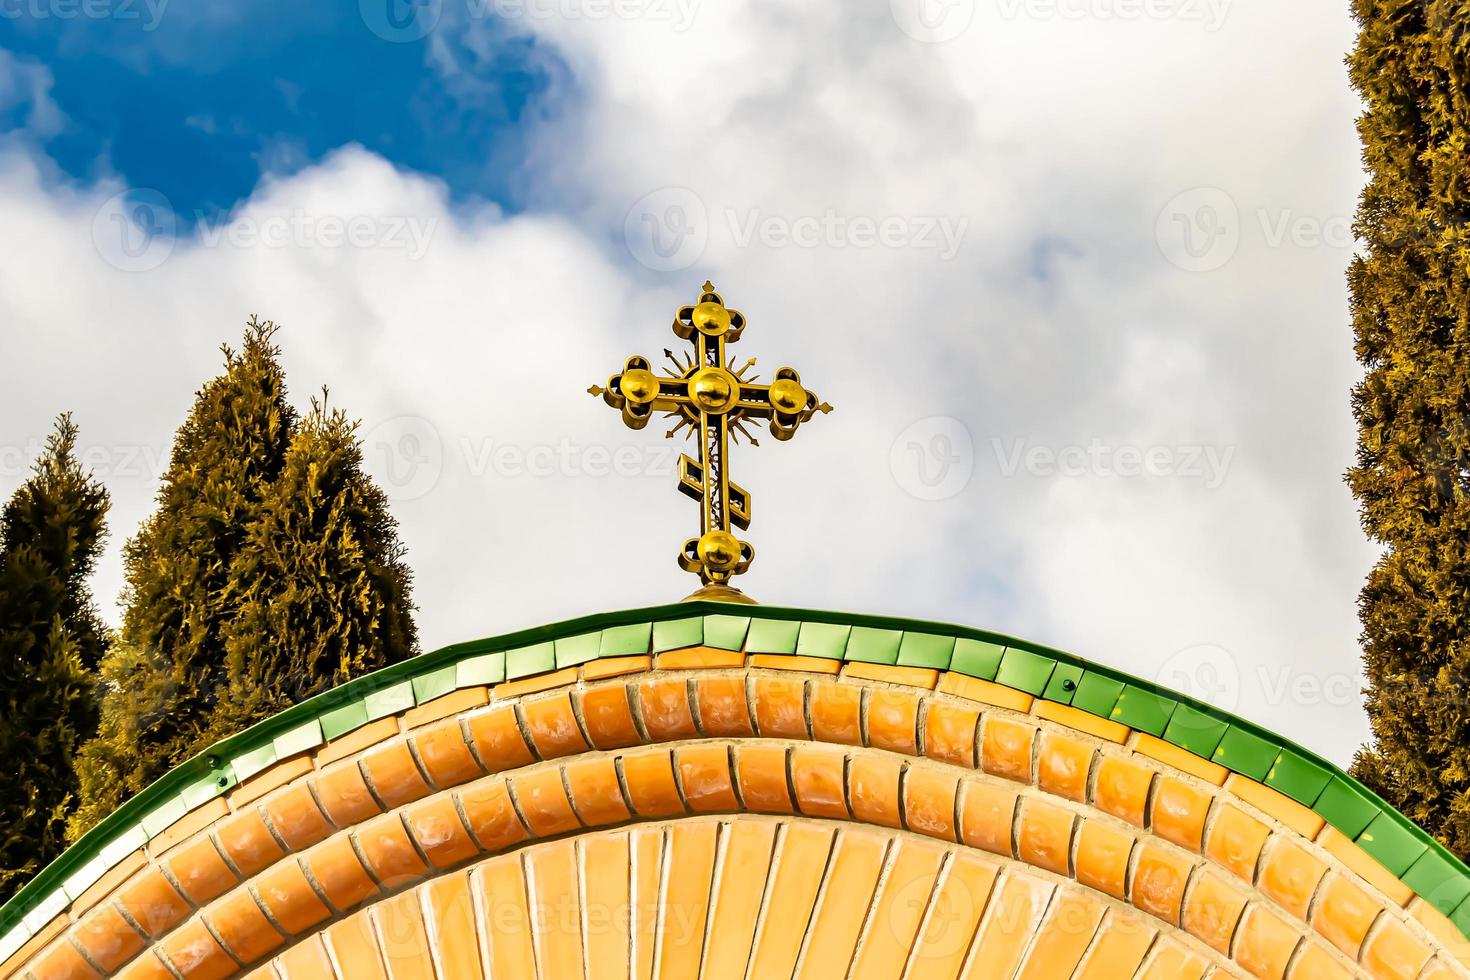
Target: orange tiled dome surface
(718, 791)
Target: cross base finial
(719, 592)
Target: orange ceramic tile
(950, 733)
(354, 948)
(248, 842)
(780, 708)
(646, 846)
(801, 859)
(402, 938)
(34, 945)
(817, 776)
(723, 710)
(745, 863)
(873, 789)
(898, 912)
(1343, 912)
(1063, 765)
(1446, 934)
(1274, 804)
(1316, 963)
(501, 885)
(356, 740)
(450, 921)
(1179, 812)
(146, 967)
(551, 885)
(289, 897)
(694, 658)
(1289, 874)
(704, 774)
(440, 834)
(1393, 952)
(445, 754)
(1102, 857)
(491, 816)
(185, 827)
(1005, 748)
(543, 802)
(307, 960)
(240, 926)
(596, 794)
(1066, 932)
(921, 677)
(1082, 721)
(389, 854)
(760, 772)
(893, 720)
(649, 776)
(534, 685)
(109, 882)
(150, 901)
(107, 938)
(297, 818)
(497, 739)
(1011, 919)
(336, 868)
(1046, 835)
(987, 811)
(1438, 970)
(606, 863)
(262, 783)
(453, 703)
(200, 871)
(193, 952)
(1366, 867)
(953, 916)
(1212, 909)
(664, 705)
(843, 905)
(1266, 943)
(604, 667)
(62, 962)
(986, 692)
(811, 665)
(1170, 961)
(836, 712)
(1121, 944)
(1234, 841)
(929, 802)
(1159, 877)
(609, 717)
(691, 850)
(345, 795)
(1185, 761)
(1122, 788)
(553, 726)
(394, 775)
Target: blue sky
(197, 104)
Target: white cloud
(1054, 142)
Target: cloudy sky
(1071, 272)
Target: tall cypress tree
(270, 571)
(51, 639)
(1411, 317)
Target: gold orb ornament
(788, 396)
(711, 319)
(719, 550)
(713, 389)
(639, 386)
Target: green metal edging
(1240, 746)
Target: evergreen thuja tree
(1411, 318)
(51, 639)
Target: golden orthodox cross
(714, 400)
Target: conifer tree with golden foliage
(1411, 318)
(51, 640)
(270, 571)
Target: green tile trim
(770, 636)
(1097, 693)
(1142, 709)
(434, 684)
(1245, 752)
(1025, 671)
(676, 634)
(1435, 877)
(486, 669)
(872, 646)
(1192, 729)
(249, 763)
(570, 651)
(391, 700)
(1392, 843)
(1346, 807)
(1063, 683)
(624, 641)
(977, 658)
(726, 632)
(540, 658)
(925, 650)
(1297, 776)
(343, 720)
(827, 640)
(157, 822)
